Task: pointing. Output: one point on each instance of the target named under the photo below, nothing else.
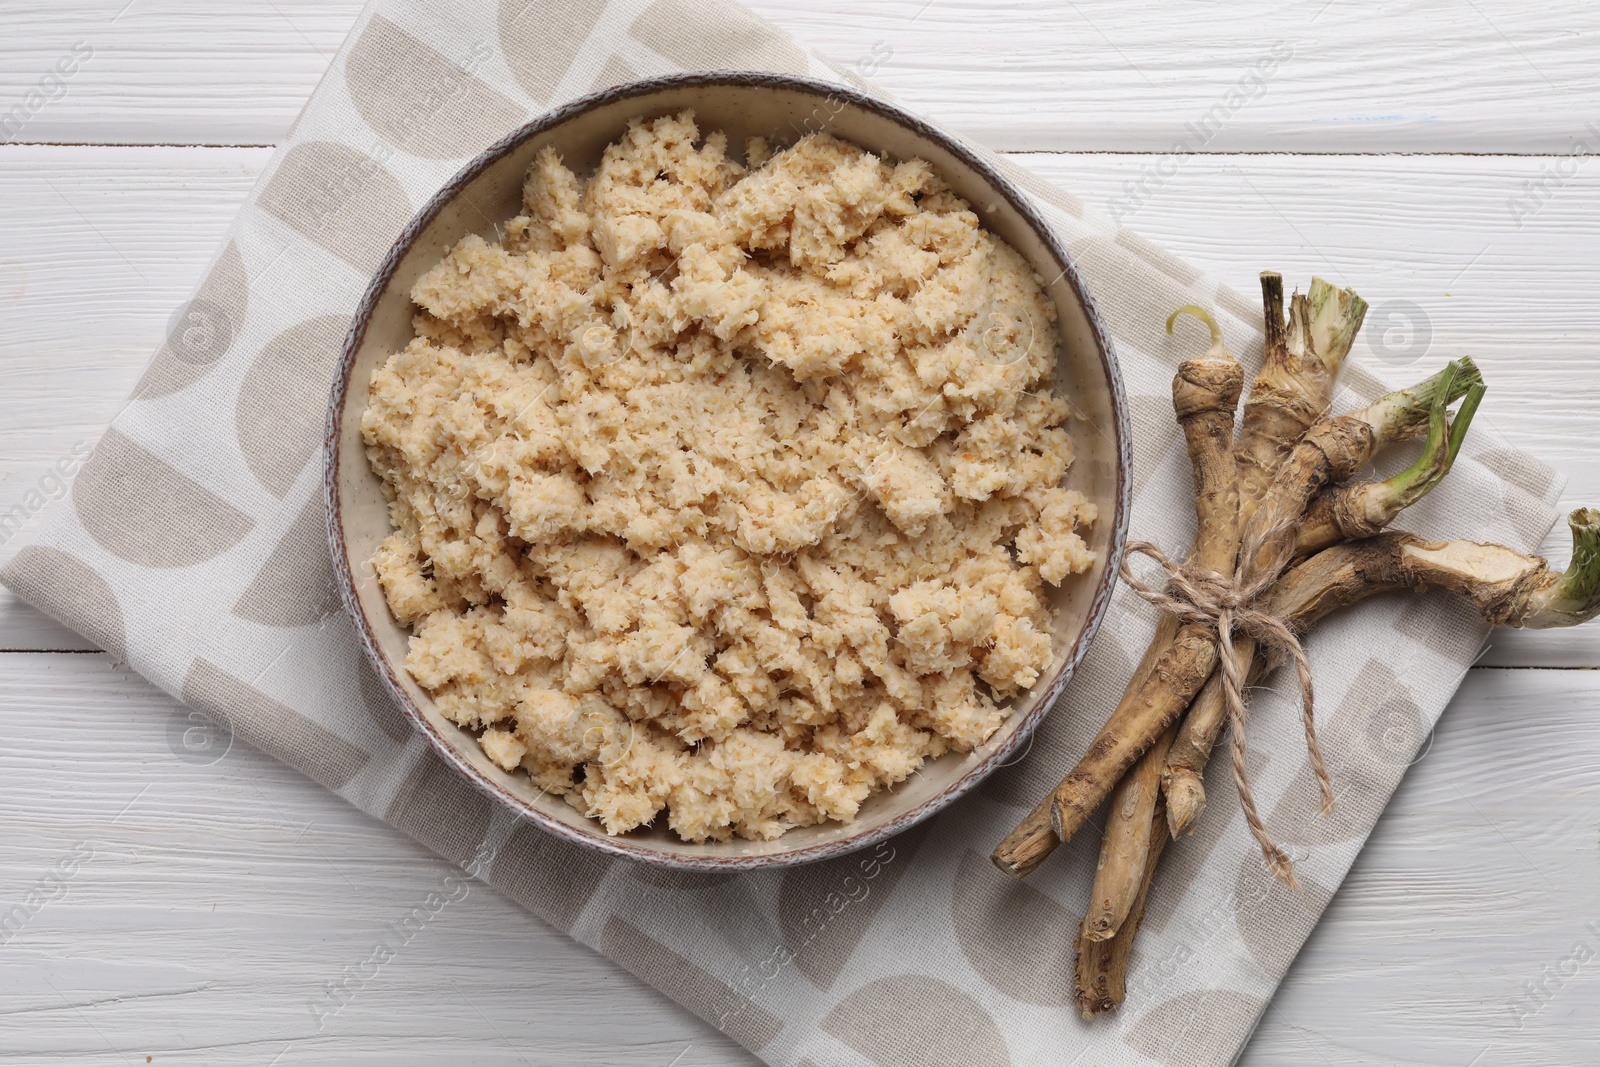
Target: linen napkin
(192, 547)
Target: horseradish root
(1509, 588)
(1305, 540)
(1101, 976)
(1506, 587)
(1144, 714)
(1343, 512)
(1202, 387)
(1205, 393)
(1331, 451)
(1300, 367)
(1360, 509)
(1130, 822)
(1295, 385)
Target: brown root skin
(1182, 780)
(1355, 510)
(1295, 386)
(1096, 989)
(1279, 415)
(1335, 578)
(1130, 819)
(1184, 789)
(1344, 513)
(1179, 674)
(1101, 976)
(1288, 397)
(1145, 713)
(1205, 393)
(1338, 577)
(1277, 339)
(1034, 838)
(1506, 587)
(1332, 451)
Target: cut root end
(1186, 800)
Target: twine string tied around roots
(1198, 595)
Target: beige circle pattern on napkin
(541, 38)
(1273, 920)
(221, 303)
(339, 198)
(141, 510)
(826, 908)
(1431, 622)
(40, 571)
(676, 29)
(911, 1020)
(421, 102)
(295, 584)
(1021, 941)
(279, 415)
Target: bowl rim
(621, 846)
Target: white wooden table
(204, 903)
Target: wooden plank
(217, 904)
(1039, 75)
(220, 898)
(1022, 75)
(107, 241)
(1454, 935)
(169, 71)
(97, 247)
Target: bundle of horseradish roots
(1285, 535)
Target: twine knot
(1201, 596)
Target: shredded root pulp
(730, 492)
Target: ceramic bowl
(742, 104)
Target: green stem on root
(1574, 596)
(1439, 451)
(1402, 413)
